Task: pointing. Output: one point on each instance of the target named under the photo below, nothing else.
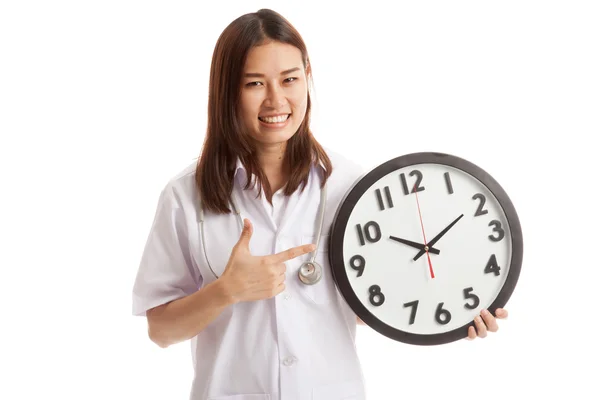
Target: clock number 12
(417, 186)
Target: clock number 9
(442, 316)
(361, 264)
(376, 297)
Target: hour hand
(416, 245)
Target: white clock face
(463, 271)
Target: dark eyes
(258, 83)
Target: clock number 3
(497, 229)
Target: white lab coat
(299, 345)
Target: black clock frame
(353, 195)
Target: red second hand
(423, 230)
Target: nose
(275, 97)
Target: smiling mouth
(275, 120)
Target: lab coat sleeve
(166, 271)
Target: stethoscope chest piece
(310, 272)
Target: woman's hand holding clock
(485, 323)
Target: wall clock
(422, 243)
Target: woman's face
(274, 92)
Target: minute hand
(438, 237)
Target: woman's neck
(271, 159)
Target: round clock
(422, 243)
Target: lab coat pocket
(323, 291)
(243, 397)
(350, 390)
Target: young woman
(233, 281)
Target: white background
(102, 102)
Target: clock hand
(438, 237)
(425, 246)
(416, 245)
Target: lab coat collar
(240, 167)
(292, 208)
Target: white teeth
(274, 120)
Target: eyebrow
(257, 75)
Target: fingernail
(478, 319)
(485, 311)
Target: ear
(307, 69)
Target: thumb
(246, 235)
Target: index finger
(290, 253)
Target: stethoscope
(310, 272)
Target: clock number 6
(376, 298)
(442, 315)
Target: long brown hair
(225, 139)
